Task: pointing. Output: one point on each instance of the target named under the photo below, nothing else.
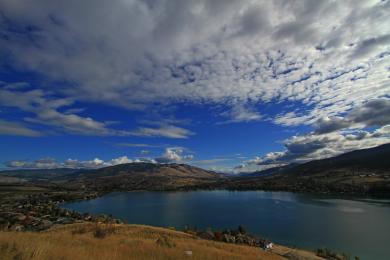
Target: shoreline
(42, 211)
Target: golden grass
(119, 242)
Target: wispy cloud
(169, 131)
(212, 161)
(170, 155)
(17, 129)
(50, 163)
(328, 56)
(373, 113)
(241, 113)
(336, 135)
(46, 111)
(314, 146)
(330, 59)
(138, 145)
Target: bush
(328, 254)
(101, 231)
(218, 236)
(79, 230)
(165, 242)
(241, 229)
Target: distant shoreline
(53, 200)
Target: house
(268, 246)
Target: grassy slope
(126, 242)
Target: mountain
(34, 175)
(147, 169)
(268, 172)
(144, 176)
(361, 172)
(364, 171)
(366, 161)
(131, 176)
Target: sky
(231, 86)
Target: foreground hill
(98, 241)
(363, 171)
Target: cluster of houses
(39, 212)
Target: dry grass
(79, 241)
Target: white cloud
(121, 160)
(328, 56)
(135, 145)
(174, 154)
(13, 128)
(45, 108)
(50, 163)
(169, 131)
(334, 136)
(212, 161)
(44, 163)
(16, 164)
(241, 113)
(373, 113)
(313, 146)
(383, 131)
(330, 59)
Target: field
(103, 241)
(14, 191)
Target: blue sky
(225, 85)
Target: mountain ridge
(363, 172)
(371, 158)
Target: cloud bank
(332, 136)
(322, 64)
(327, 55)
(50, 163)
(170, 155)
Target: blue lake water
(356, 227)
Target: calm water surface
(356, 227)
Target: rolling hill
(364, 171)
(39, 174)
(360, 172)
(143, 176)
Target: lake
(355, 226)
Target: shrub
(241, 229)
(165, 242)
(328, 254)
(101, 231)
(4, 247)
(79, 230)
(218, 236)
